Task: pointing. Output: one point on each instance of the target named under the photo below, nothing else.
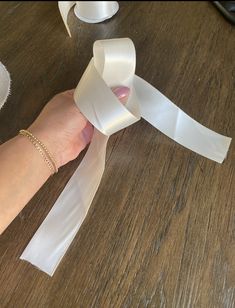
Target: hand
(63, 128)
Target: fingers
(121, 92)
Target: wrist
(50, 142)
(32, 157)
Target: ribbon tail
(52, 239)
(159, 111)
(64, 7)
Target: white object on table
(88, 11)
(5, 84)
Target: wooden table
(161, 229)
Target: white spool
(88, 11)
(95, 11)
(5, 82)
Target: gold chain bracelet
(48, 158)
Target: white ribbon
(88, 11)
(5, 83)
(113, 65)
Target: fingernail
(87, 133)
(121, 92)
(69, 92)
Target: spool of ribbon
(113, 65)
(5, 83)
(88, 11)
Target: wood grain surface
(161, 229)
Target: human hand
(63, 128)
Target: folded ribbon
(88, 11)
(5, 83)
(113, 64)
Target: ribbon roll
(113, 64)
(5, 83)
(88, 11)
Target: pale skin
(64, 131)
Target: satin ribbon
(5, 83)
(88, 11)
(113, 64)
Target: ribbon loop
(113, 64)
(115, 60)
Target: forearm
(63, 130)
(23, 172)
